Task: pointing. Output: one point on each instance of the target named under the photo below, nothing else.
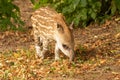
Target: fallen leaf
(117, 35)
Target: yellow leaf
(102, 61)
(16, 55)
(115, 73)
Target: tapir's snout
(71, 55)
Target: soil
(101, 41)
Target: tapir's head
(65, 38)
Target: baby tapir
(48, 25)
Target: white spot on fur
(37, 49)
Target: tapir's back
(44, 22)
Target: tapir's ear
(71, 25)
(60, 28)
(63, 17)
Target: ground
(97, 49)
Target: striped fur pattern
(48, 25)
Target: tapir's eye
(65, 46)
(60, 28)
